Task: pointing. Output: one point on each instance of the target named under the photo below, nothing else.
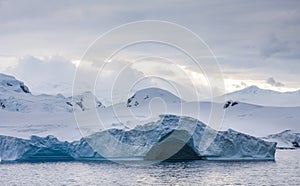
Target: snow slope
(246, 118)
(260, 120)
(145, 96)
(257, 96)
(142, 107)
(23, 114)
(286, 140)
(15, 96)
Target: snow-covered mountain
(24, 114)
(15, 96)
(85, 101)
(246, 118)
(257, 96)
(145, 96)
(287, 139)
(141, 107)
(261, 120)
(10, 85)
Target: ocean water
(284, 171)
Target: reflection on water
(285, 171)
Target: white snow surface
(25, 114)
(16, 97)
(257, 96)
(284, 139)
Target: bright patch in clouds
(248, 38)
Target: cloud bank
(254, 40)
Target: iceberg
(175, 137)
(170, 138)
(34, 149)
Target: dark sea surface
(284, 171)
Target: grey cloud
(52, 75)
(240, 85)
(271, 81)
(273, 46)
(262, 36)
(236, 86)
(243, 84)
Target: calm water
(285, 171)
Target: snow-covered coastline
(24, 115)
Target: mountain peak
(144, 96)
(11, 84)
(265, 97)
(254, 89)
(15, 96)
(85, 101)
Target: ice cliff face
(172, 137)
(44, 149)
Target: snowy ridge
(143, 97)
(26, 114)
(261, 120)
(9, 84)
(255, 95)
(287, 139)
(85, 101)
(15, 96)
(153, 141)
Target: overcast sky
(256, 42)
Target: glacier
(170, 138)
